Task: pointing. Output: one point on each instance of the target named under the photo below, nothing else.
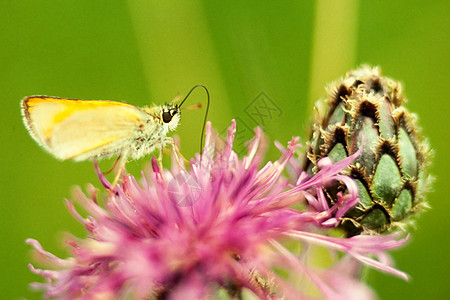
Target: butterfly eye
(167, 117)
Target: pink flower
(223, 226)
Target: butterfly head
(170, 116)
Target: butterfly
(91, 129)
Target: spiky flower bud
(365, 108)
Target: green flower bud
(391, 168)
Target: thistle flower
(222, 228)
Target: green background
(145, 51)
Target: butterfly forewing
(81, 129)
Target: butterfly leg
(120, 163)
(114, 166)
(176, 151)
(160, 157)
(178, 154)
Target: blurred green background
(147, 52)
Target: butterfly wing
(81, 129)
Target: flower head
(223, 226)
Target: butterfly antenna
(206, 113)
